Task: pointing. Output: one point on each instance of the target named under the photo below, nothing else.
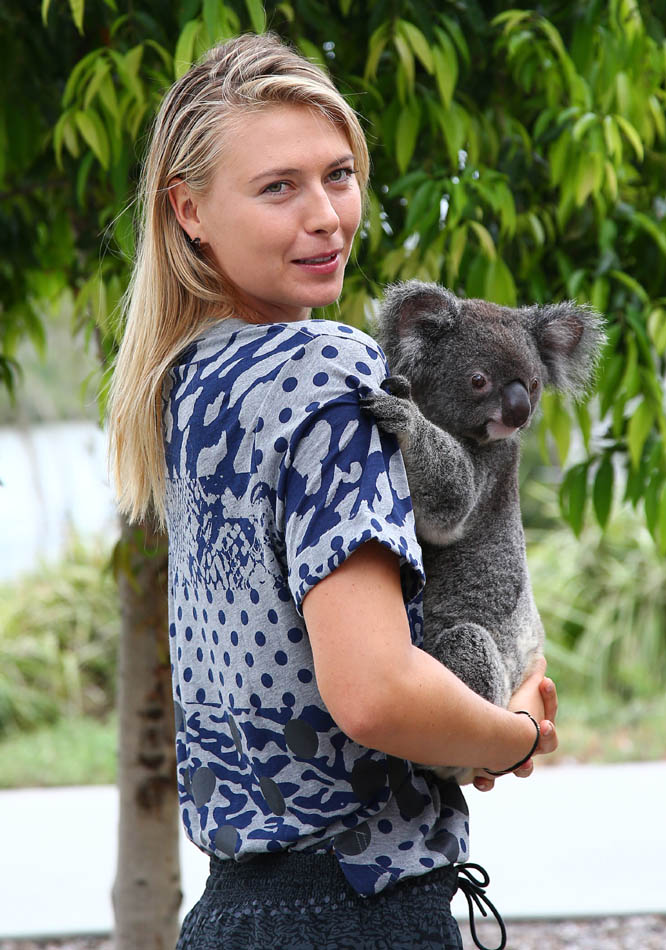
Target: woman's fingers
(549, 695)
(484, 783)
(525, 770)
(548, 740)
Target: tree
(51, 239)
(517, 155)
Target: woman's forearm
(425, 713)
(389, 695)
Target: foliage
(59, 630)
(77, 750)
(601, 729)
(37, 240)
(58, 383)
(518, 155)
(603, 604)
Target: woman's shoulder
(239, 356)
(232, 334)
(337, 344)
(346, 334)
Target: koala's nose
(515, 405)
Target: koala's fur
(468, 375)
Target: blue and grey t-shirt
(275, 475)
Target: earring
(196, 243)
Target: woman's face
(282, 211)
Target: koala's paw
(393, 409)
(397, 386)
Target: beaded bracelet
(521, 712)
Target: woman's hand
(538, 696)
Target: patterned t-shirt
(275, 475)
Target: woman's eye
(341, 174)
(276, 188)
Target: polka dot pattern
(275, 477)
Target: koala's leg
(469, 651)
(442, 477)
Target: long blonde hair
(175, 291)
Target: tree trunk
(146, 892)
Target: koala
(468, 378)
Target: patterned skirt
(296, 901)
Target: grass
(59, 628)
(603, 601)
(73, 751)
(82, 750)
(601, 730)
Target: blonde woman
(302, 697)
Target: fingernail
(546, 729)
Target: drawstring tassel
(474, 890)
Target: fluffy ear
(412, 314)
(569, 339)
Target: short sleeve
(344, 480)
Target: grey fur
(461, 447)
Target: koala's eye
(479, 381)
(534, 386)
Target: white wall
(53, 478)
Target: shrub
(59, 628)
(602, 598)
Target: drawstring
(474, 891)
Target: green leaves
(415, 43)
(407, 130)
(573, 496)
(520, 159)
(76, 9)
(257, 15)
(557, 422)
(92, 129)
(564, 140)
(77, 6)
(632, 136)
(188, 41)
(640, 426)
(602, 492)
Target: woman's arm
(387, 694)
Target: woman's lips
(320, 263)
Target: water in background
(53, 479)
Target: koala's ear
(569, 339)
(411, 314)
(414, 305)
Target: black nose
(515, 405)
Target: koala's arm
(443, 481)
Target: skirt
(297, 901)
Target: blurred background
(602, 595)
(517, 155)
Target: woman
(302, 697)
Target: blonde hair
(175, 291)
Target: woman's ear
(185, 208)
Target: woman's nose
(320, 213)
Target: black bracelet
(521, 712)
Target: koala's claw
(397, 386)
(392, 413)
